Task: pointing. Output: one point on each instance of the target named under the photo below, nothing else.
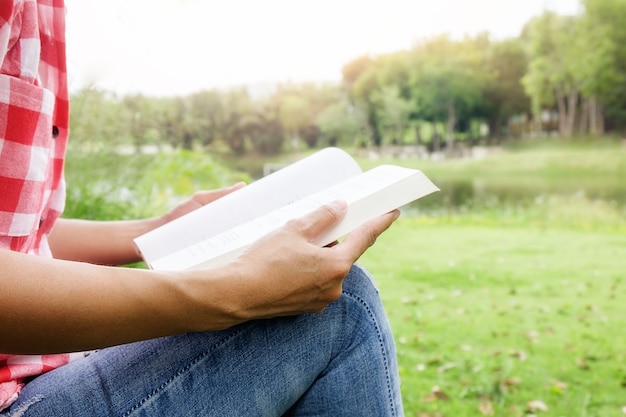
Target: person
(288, 328)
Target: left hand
(199, 199)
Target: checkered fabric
(34, 116)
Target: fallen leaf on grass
(509, 385)
(582, 363)
(536, 405)
(558, 386)
(443, 368)
(436, 394)
(435, 360)
(512, 382)
(533, 336)
(486, 408)
(407, 300)
(519, 354)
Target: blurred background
(506, 290)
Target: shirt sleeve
(26, 109)
(7, 16)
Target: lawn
(505, 321)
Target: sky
(170, 47)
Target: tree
(605, 23)
(448, 80)
(340, 123)
(361, 79)
(294, 115)
(504, 94)
(394, 110)
(554, 47)
(96, 118)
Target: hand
(199, 199)
(285, 274)
(111, 243)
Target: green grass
(497, 317)
(568, 167)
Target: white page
(300, 179)
(371, 194)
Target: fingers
(199, 199)
(271, 263)
(322, 218)
(359, 240)
(206, 197)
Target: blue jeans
(341, 362)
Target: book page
(291, 183)
(368, 195)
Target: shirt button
(55, 132)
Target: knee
(361, 294)
(359, 282)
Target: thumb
(320, 219)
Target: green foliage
(569, 71)
(108, 186)
(341, 124)
(605, 22)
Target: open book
(222, 230)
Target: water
(468, 194)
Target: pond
(468, 194)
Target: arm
(111, 242)
(62, 306)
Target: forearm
(51, 305)
(98, 242)
(111, 242)
(58, 306)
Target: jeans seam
(182, 371)
(381, 345)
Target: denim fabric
(341, 362)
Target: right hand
(285, 274)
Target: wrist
(214, 297)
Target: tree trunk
(418, 133)
(583, 121)
(560, 102)
(571, 110)
(187, 141)
(495, 128)
(450, 126)
(599, 119)
(596, 118)
(436, 138)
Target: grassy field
(516, 308)
(490, 319)
(500, 306)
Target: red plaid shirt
(33, 134)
